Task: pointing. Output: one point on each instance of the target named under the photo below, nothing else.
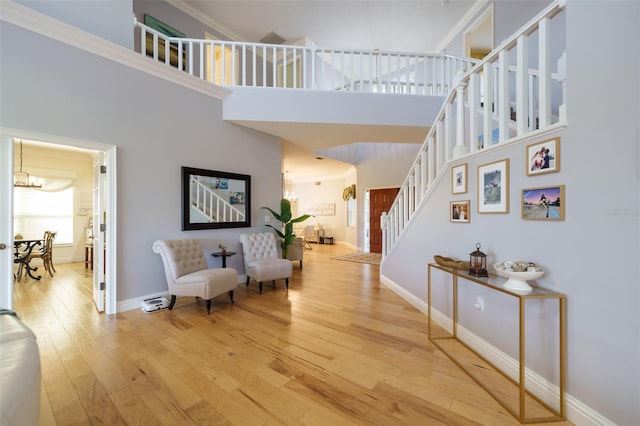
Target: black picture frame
(213, 199)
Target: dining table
(22, 256)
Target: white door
(6, 223)
(99, 216)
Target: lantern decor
(478, 263)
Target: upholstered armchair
(262, 260)
(296, 251)
(188, 274)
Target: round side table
(223, 256)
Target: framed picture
(459, 179)
(493, 187)
(459, 211)
(213, 199)
(543, 157)
(543, 203)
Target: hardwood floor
(338, 348)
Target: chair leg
(286, 281)
(231, 296)
(208, 306)
(260, 286)
(173, 301)
(301, 265)
(248, 278)
(273, 283)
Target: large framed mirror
(213, 199)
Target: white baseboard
(136, 302)
(577, 412)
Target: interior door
(380, 201)
(99, 278)
(6, 222)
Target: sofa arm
(20, 372)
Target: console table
(451, 345)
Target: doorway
(380, 201)
(478, 38)
(107, 279)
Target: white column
(460, 149)
(384, 225)
(522, 83)
(474, 105)
(544, 72)
(432, 162)
(448, 131)
(6, 222)
(487, 117)
(504, 109)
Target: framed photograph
(493, 187)
(459, 211)
(543, 157)
(213, 199)
(459, 179)
(543, 203)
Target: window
(38, 211)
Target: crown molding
(36, 22)
(197, 15)
(462, 24)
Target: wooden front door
(380, 201)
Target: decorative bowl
(517, 280)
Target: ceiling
(421, 26)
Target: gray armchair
(262, 260)
(188, 274)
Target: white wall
(322, 191)
(593, 255)
(54, 89)
(111, 20)
(383, 168)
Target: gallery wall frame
(543, 157)
(493, 187)
(213, 199)
(543, 203)
(459, 179)
(460, 211)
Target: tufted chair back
(262, 258)
(259, 246)
(182, 257)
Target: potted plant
(287, 223)
(223, 249)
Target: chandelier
(21, 179)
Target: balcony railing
(229, 63)
(516, 92)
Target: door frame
(6, 214)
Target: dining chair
(46, 252)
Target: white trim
(212, 23)
(111, 244)
(462, 23)
(577, 412)
(136, 302)
(46, 26)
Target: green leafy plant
(287, 223)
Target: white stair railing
(212, 205)
(513, 93)
(303, 67)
